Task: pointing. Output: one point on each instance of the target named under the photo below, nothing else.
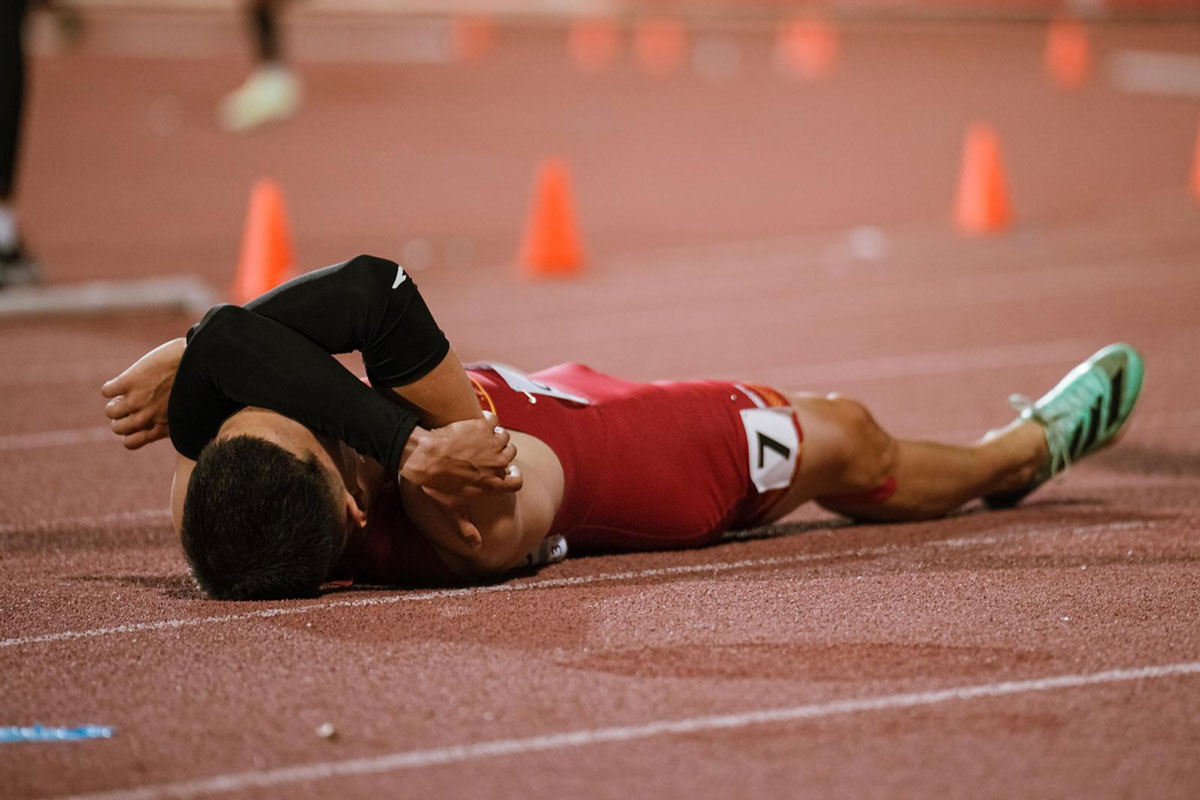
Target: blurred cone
(473, 37)
(807, 48)
(593, 43)
(1196, 169)
(551, 243)
(267, 258)
(982, 205)
(659, 44)
(1068, 58)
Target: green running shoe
(1080, 415)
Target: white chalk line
(57, 438)
(68, 524)
(89, 371)
(454, 754)
(555, 583)
(924, 364)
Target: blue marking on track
(40, 733)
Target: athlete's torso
(645, 465)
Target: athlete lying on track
(273, 503)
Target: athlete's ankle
(1020, 451)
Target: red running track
(1050, 650)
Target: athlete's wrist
(418, 439)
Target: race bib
(521, 382)
(774, 447)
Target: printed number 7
(765, 442)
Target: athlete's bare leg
(850, 465)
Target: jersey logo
(773, 447)
(400, 276)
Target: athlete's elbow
(224, 326)
(367, 274)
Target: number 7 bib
(774, 447)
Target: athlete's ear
(356, 516)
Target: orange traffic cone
(551, 243)
(982, 205)
(1196, 169)
(659, 45)
(472, 37)
(593, 44)
(807, 48)
(1068, 58)
(267, 258)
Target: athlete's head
(267, 513)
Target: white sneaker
(270, 94)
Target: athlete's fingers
(489, 417)
(144, 437)
(131, 423)
(492, 462)
(501, 436)
(115, 386)
(509, 453)
(508, 481)
(118, 407)
(138, 439)
(123, 426)
(469, 533)
(513, 480)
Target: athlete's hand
(456, 463)
(139, 395)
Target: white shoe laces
(1056, 437)
(1027, 408)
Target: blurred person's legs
(271, 91)
(16, 266)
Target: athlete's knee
(870, 451)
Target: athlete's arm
(275, 354)
(371, 305)
(236, 358)
(366, 304)
(512, 525)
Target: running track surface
(1051, 650)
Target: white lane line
(549, 583)
(188, 293)
(921, 364)
(73, 523)
(416, 759)
(59, 438)
(89, 371)
(554, 583)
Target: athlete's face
(335, 460)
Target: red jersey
(647, 466)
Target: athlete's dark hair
(259, 523)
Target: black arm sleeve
(237, 358)
(367, 304)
